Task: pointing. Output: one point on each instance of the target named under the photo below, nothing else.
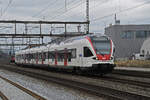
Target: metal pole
(87, 16)
(65, 30)
(65, 5)
(26, 31)
(15, 29)
(42, 40)
(40, 30)
(12, 46)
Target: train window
(60, 57)
(49, 55)
(25, 56)
(53, 56)
(69, 57)
(28, 57)
(34, 56)
(73, 53)
(87, 52)
(44, 56)
(40, 55)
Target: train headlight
(95, 58)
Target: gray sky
(101, 11)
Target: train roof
(57, 42)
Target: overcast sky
(101, 11)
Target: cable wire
(128, 9)
(9, 3)
(69, 9)
(91, 7)
(44, 9)
(62, 8)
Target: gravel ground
(133, 69)
(99, 82)
(132, 78)
(12, 92)
(51, 91)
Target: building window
(148, 33)
(127, 35)
(141, 34)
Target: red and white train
(86, 53)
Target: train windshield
(102, 45)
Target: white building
(145, 49)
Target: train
(12, 59)
(93, 54)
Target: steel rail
(132, 73)
(3, 96)
(38, 97)
(132, 82)
(111, 78)
(97, 90)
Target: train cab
(103, 49)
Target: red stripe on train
(65, 58)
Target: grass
(133, 63)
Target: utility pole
(13, 46)
(87, 16)
(26, 31)
(65, 5)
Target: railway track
(129, 79)
(98, 90)
(2, 96)
(5, 97)
(132, 73)
(133, 82)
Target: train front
(103, 62)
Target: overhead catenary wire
(91, 8)
(4, 11)
(62, 8)
(121, 11)
(71, 9)
(46, 12)
(45, 8)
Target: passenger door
(87, 56)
